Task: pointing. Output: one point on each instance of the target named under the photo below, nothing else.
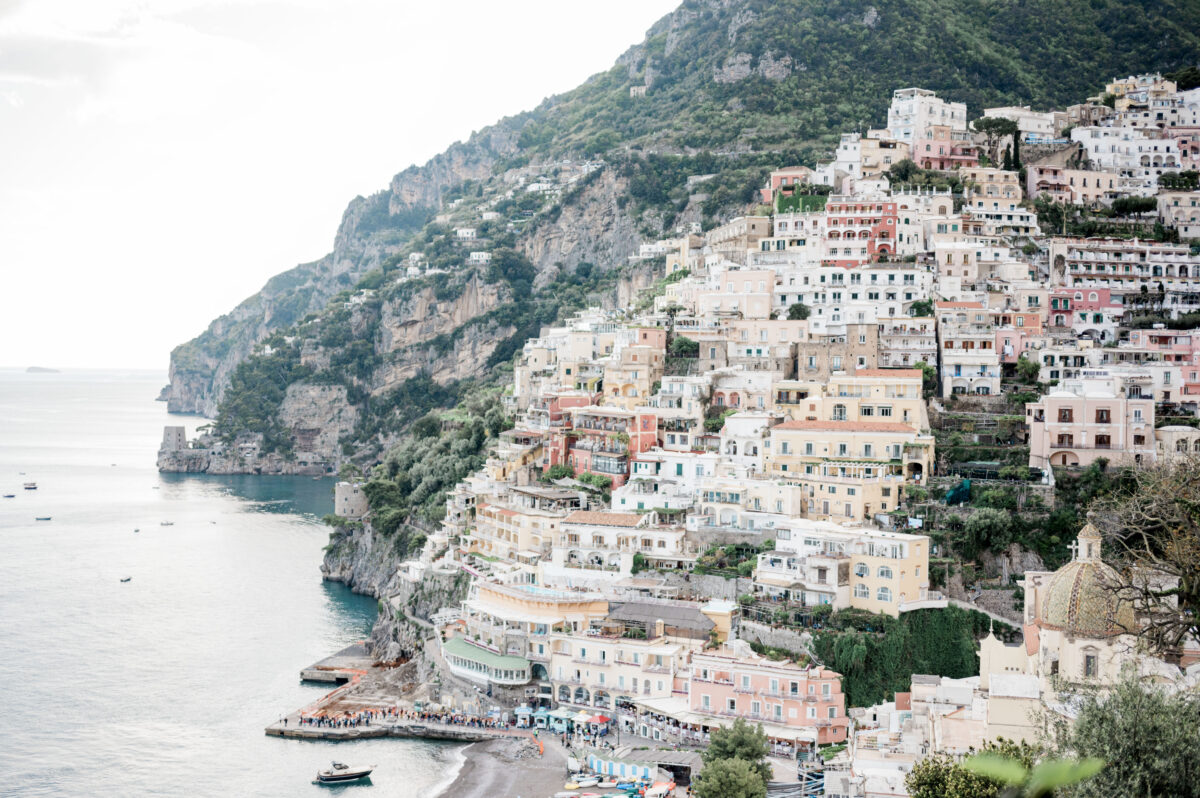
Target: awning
(599, 719)
(582, 717)
(563, 713)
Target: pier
(368, 689)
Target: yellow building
(865, 395)
(850, 469)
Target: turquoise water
(162, 685)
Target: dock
(366, 688)
(342, 667)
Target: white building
(914, 111)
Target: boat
(589, 781)
(126, 579)
(167, 523)
(42, 518)
(137, 530)
(10, 495)
(338, 773)
(30, 486)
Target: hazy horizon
(161, 162)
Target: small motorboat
(167, 523)
(137, 530)
(338, 773)
(10, 495)
(30, 486)
(42, 518)
(126, 579)
(588, 781)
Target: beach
(492, 768)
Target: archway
(581, 696)
(564, 693)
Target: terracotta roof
(846, 426)
(604, 519)
(978, 305)
(897, 373)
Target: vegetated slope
(732, 87)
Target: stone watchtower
(174, 439)
(349, 501)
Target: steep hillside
(732, 87)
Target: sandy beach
(492, 771)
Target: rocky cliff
(368, 563)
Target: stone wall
(787, 639)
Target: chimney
(659, 626)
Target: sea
(163, 685)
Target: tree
(743, 742)
(1188, 180)
(1028, 370)
(798, 311)
(903, 171)
(922, 307)
(941, 777)
(988, 529)
(929, 379)
(995, 130)
(1185, 79)
(729, 778)
(1125, 206)
(685, 347)
(1153, 528)
(1150, 734)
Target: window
(1065, 415)
(862, 570)
(833, 712)
(1102, 415)
(1091, 665)
(705, 702)
(861, 591)
(884, 572)
(884, 594)
(731, 704)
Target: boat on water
(10, 495)
(42, 518)
(338, 773)
(30, 486)
(167, 523)
(126, 579)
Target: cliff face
(368, 563)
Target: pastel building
(1077, 428)
(968, 361)
(850, 469)
(819, 563)
(790, 700)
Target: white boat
(338, 773)
(588, 781)
(167, 523)
(30, 486)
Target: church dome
(1082, 598)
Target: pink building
(784, 181)
(793, 703)
(600, 440)
(945, 149)
(858, 230)
(1089, 312)
(1069, 429)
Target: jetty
(376, 694)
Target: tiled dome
(1082, 597)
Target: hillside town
(761, 443)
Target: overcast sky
(159, 160)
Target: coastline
(494, 772)
(458, 761)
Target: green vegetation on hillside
(877, 655)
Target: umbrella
(599, 719)
(583, 717)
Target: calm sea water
(162, 685)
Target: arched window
(1181, 446)
(884, 594)
(1196, 446)
(839, 412)
(884, 572)
(861, 591)
(862, 569)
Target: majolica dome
(1083, 597)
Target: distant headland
(41, 370)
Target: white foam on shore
(458, 758)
